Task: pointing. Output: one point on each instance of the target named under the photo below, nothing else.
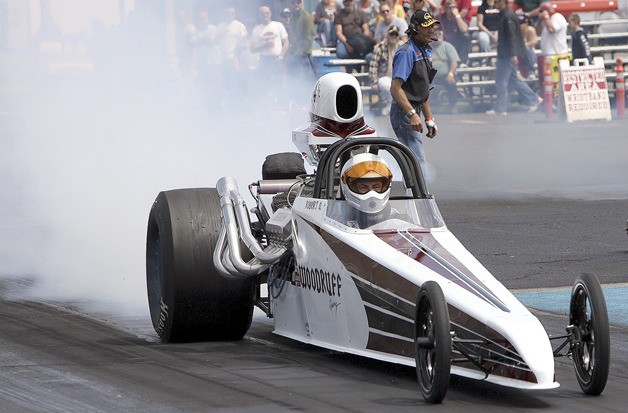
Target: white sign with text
(584, 92)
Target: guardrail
(597, 23)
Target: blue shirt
(413, 64)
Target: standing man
(412, 74)
(301, 35)
(510, 46)
(298, 63)
(232, 33)
(208, 62)
(552, 27)
(270, 40)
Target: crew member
(412, 74)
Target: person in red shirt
(464, 7)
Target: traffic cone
(620, 91)
(548, 92)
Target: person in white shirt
(552, 27)
(231, 32)
(270, 40)
(231, 35)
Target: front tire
(589, 316)
(188, 298)
(432, 342)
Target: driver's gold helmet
(365, 182)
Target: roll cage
(338, 152)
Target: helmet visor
(368, 176)
(365, 185)
(368, 169)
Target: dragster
(395, 285)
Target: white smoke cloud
(87, 151)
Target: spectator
(410, 87)
(276, 6)
(355, 38)
(371, 9)
(530, 38)
(455, 30)
(463, 6)
(425, 5)
(509, 46)
(298, 63)
(380, 68)
(407, 7)
(532, 7)
(389, 20)
(208, 61)
(552, 27)
(285, 16)
(487, 21)
(397, 9)
(232, 33)
(301, 34)
(324, 15)
(270, 39)
(580, 48)
(445, 60)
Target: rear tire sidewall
(189, 300)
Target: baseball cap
(393, 30)
(422, 18)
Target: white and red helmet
(337, 102)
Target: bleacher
(476, 81)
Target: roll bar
(340, 151)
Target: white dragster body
(354, 290)
(362, 301)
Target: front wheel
(432, 342)
(589, 317)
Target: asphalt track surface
(538, 203)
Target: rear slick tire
(589, 316)
(432, 343)
(188, 298)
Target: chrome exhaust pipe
(237, 227)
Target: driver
(365, 183)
